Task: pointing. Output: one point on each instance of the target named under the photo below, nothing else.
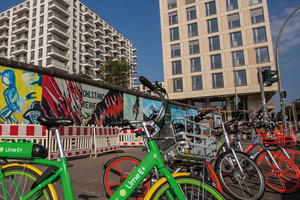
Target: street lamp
(282, 96)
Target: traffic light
(269, 77)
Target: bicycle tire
(16, 176)
(247, 185)
(285, 181)
(116, 173)
(294, 156)
(190, 185)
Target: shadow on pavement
(87, 197)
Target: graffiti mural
(133, 107)
(108, 110)
(19, 89)
(62, 99)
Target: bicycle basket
(277, 137)
(185, 148)
(287, 138)
(268, 137)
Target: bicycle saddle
(54, 122)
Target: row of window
(257, 16)
(211, 6)
(261, 53)
(217, 81)
(259, 36)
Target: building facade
(212, 50)
(62, 34)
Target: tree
(84, 75)
(116, 72)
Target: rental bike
(23, 180)
(170, 186)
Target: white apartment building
(212, 50)
(62, 34)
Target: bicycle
(170, 186)
(280, 172)
(23, 180)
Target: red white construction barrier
(105, 139)
(128, 137)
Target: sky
(139, 21)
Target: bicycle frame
(61, 172)
(153, 159)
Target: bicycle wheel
(248, 184)
(116, 173)
(192, 188)
(18, 180)
(283, 180)
(294, 156)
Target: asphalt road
(86, 176)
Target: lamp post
(282, 98)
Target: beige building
(62, 34)
(209, 45)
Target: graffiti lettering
(88, 105)
(93, 95)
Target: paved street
(86, 176)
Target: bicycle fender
(52, 189)
(161, 181)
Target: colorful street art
(108, 110)
(62, 99)
(133, 107)
(20, 98)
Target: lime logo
(123, 192)
(1, 149)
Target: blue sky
(139, 21)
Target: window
(176, 67)
(257, 15)
(210, 8)
(175, 50)
(40, 63)
(40, 53)
(214, 43)
(33, 33)
(177, 85)
(231, 4)
(174, 34)
(238, 58)
(34, 12)
(236, 39)
(217, 80)
(262, 54)
(259, 35)
(195, 64)
(233, 21)
(42, 9)
(253, 2)
(197, 82)
(216, 61)
(32, 55)
(41, 30)
(189, 1)
(34, 22)
(173, 18)
(191, 13)
(240, 78)
(172, 4)
(212, 25)
(194, 46)
(40, 42)
(32, 44)
(192, 30)
(42, 19)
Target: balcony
(56, 64)
(122, 47)
(4, 36)
(58, 19)
(88, 42)
(58, 30)
(18, 29)
(65, 2)
(107, 37)
(88, 13)
(3, 45)
(4, 17)
(23, 38)
(115, 51)
(134, 56)
(98, 39)
(107, 45)
(21, 18)
(59, 8)
(21, 8)
(88, 23)
(88, 53)
(21, 58)
(107, 28)
(88, 33)
(21, 49)
(134, 49)
(58, 42)
(88, 64)
(115, 43)
(58, 53)
(115, 34)
(135, 64)
(99, 48)
(107, 54)
(3, 53)
(99, 58)
(4, 26)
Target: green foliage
(116, 72)
(84, 75)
